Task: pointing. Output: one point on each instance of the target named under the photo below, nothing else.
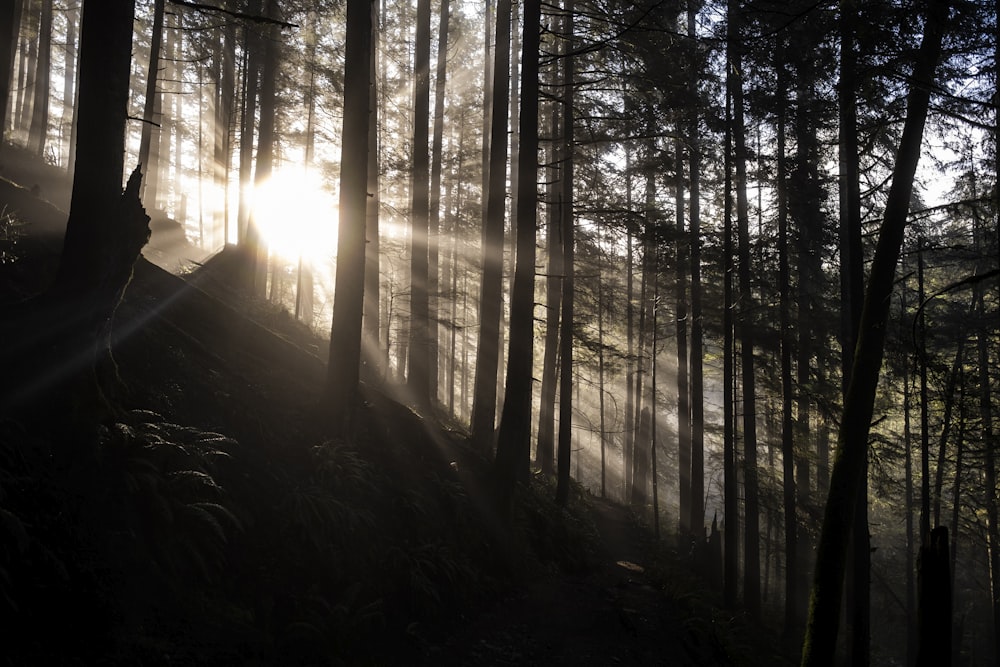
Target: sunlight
(297, 216)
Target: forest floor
(616, 613)
(426, 575)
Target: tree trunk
(697, 520)
(751, 570)
(434, 221)
(491, 298)
(794, 612)
(568, 234)
(851, 298)
(513, 440)
(39, 129)
(628, 437)
(418, 376)
(730, 558)
(371, 360)
(148, 117)
(545, 448)
(343, 369)
(911, 586)
(27, 67)
(105, 232)
(852, 445)
(8, 42)
(248, 114)
(681, 323)
(225, 89)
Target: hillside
(220, 525)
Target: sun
(297, 216)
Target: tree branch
(202, 7)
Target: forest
(587, 332)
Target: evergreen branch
(256, 18)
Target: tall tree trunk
(105, 48)
(751, 570)
(681, 323)
(653, 411)
(568, 233)
(545, 448)
(343, 369)
(600, 370)
(27, 66)
(371, 359)
(9, 25)
(628, 438)
(69, 85)
(104, 233)
(248, 113)
(418, 376)
(911, 585)
(992, 513)
(852, 444)
(851, 298)
(491, 298)
(794, 613)
(697, 520)
(925, 442)
(257, 252)
(950, 391)
(513, 440)
(148, 118)
(434, 221)
(730, 500)
(223, 122)
(39, 129)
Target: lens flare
(297, 216)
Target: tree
(513, 439)
(566, 317)
(343, 369)
(418, 378)
(697, 521)
(851, 296)
(255, 246)
(852, 443)
(491, 300)
(40, 105)
(9, 20)
(434, 221)
(69, 362)
(152, 74)
(751, 573)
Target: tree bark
(8, 43)
(730, 577)
(343, 369)
(434, 221)
(491, 298)
(851, 297)
(513, 440)
(39, 129)
(418, 378)
(545, 448)
(751, 555)
(148, 117)
(697, 520)
(568, 296)
(680, 327)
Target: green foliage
(10, 234)
(564, 537)
(162, 476)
